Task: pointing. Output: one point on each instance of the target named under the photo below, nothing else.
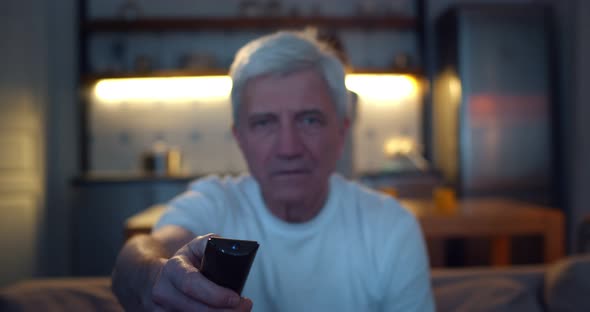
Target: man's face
(290, 134)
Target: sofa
(559, 287)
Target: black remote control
(227, 261)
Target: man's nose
(289, 144)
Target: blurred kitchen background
(485, 97)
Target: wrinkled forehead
(295, 91)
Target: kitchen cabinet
(154, 45)
(157, 27)
(103, 203)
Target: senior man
(326, 244)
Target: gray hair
(283, 53)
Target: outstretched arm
(161, 271)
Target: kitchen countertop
(373, 179)
(102, 178)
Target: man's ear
(345, 127)
(236, 134)
(234, 131)
(344, 132)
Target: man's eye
(311, 121)
(261, 123)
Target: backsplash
(120, 132)
(377, 123)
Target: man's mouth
(291, 172)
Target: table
(142, 223)
(496, 218)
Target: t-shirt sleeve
(408, 280)
(197, 210)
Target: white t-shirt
(362, 252)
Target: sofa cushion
(68, 294)
(567, 285)
(486, 294)
(530, 276)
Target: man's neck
(298, 211)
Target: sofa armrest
(489, 289)
(530, 276)
(65, 294)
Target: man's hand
(181, 287)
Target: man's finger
(195, 249)
(244, 306)
(173, 300)
(158, 308)
(194, 284)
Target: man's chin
(292, 177)
(290, 187)
(288, 194)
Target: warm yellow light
(391, 87)
(399, 145)
(163, 88)
(454, 87)
(388, 87)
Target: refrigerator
(493, 114)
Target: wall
(38, 134)
(23, 100)
(579, 150)
(62, 135)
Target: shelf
(91, 78)
(160, 73)
(93, 178)
(414, 71)
(240, 23)
(114, 178)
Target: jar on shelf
(130, 10)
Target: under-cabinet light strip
(371, 86)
